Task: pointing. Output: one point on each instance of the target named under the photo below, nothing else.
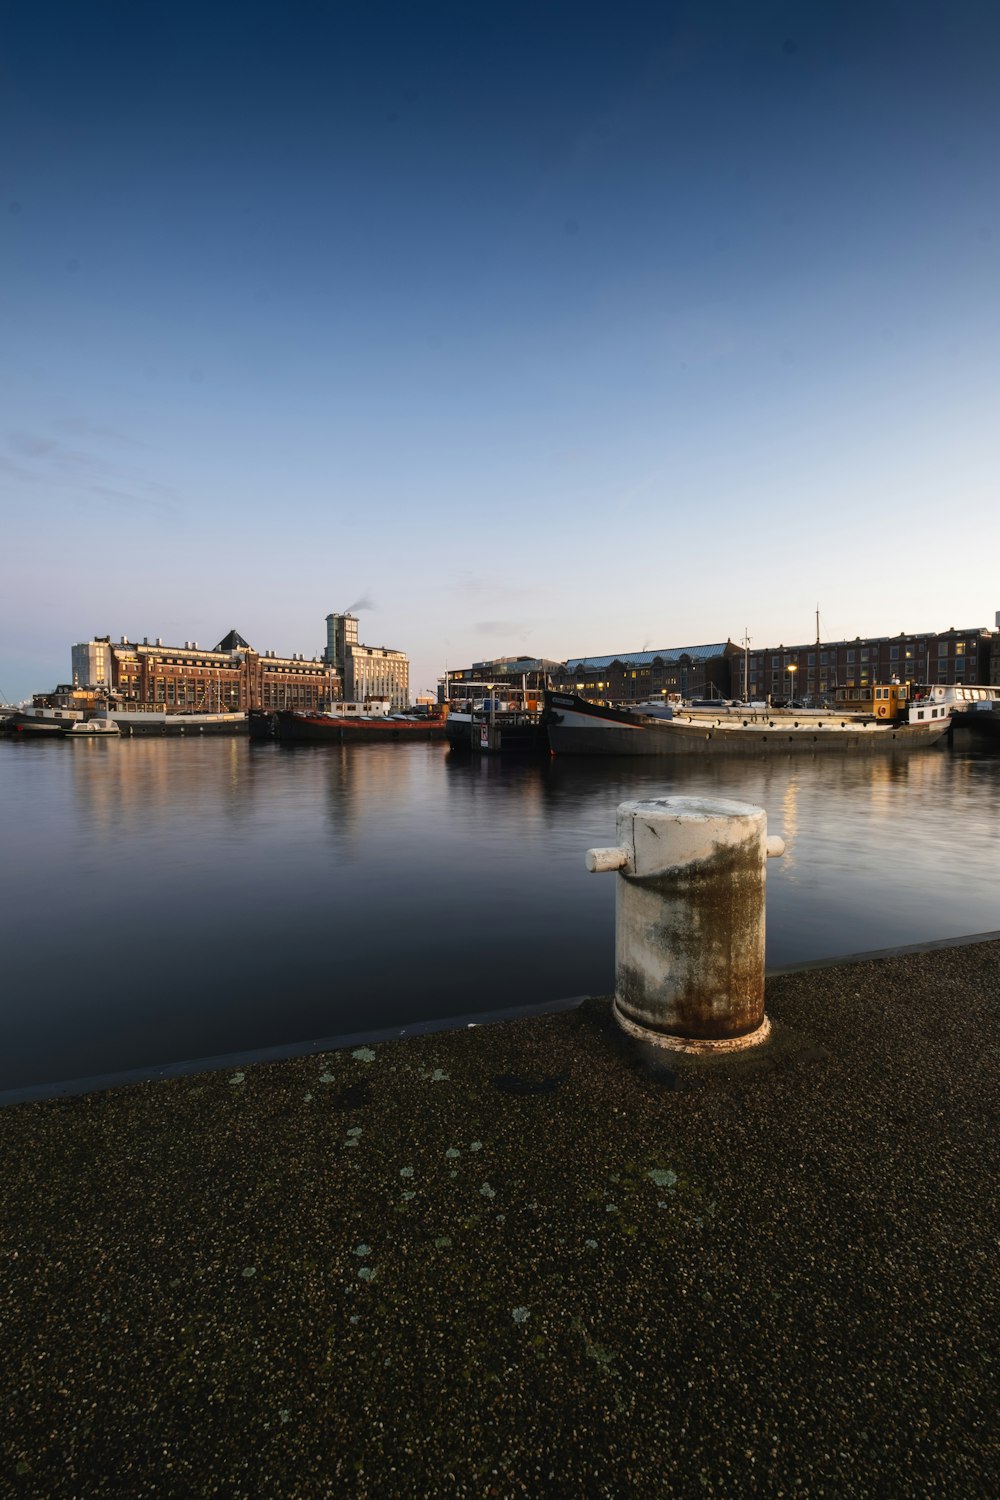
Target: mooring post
(689, 926)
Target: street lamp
(792, 669)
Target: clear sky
(551, 328)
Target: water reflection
(169, 899)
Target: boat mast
(746, 665)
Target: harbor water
(168, 900)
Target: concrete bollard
(689, 926)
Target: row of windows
(780, 681)
(850, 658)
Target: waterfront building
(68, 695)
(775, 673)
(92, 665)
(365, 671)
(625, 677)
(231, 677)
(532, 673)
(638, 676)
(819, 668)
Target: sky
(546, 328)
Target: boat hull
(980, 721)
(501, 736)
(297, 728)
(29, 723)
(577, 728)
(152, 723)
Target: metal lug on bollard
(689, 924)
(599, 860)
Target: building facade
(365, 671)
(529, 674)
(638, 676)
(92, 663)
(817, 670)
(231, 677)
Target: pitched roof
(667, 654)
(233, 642)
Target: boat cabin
(880, 700)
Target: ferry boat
(578, 727)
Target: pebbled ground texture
(524, 1259)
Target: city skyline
(521, 330)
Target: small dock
(524, 1259)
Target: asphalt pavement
(525, 1259)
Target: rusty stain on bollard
(689, 925)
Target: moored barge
(293, 726)
(578, 727)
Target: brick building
(818, 669)
(231, 677)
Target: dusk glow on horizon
(545, 330)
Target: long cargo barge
(577, 727)
(292, 726)
(150, 722)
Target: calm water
(168, 900)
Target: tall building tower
(365, 671)
(341, 632)
(92, 663)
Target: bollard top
(662, 834)
(702, 808)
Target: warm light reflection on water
(163, 900)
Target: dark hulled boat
(507, 733)
(293, 726)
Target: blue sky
(556, 329)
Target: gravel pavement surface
(525, 1259)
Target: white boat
(91, 728)
(973, 705)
